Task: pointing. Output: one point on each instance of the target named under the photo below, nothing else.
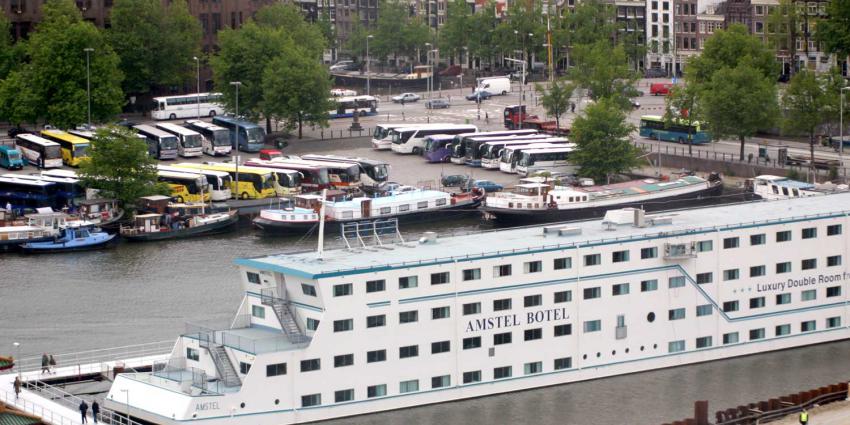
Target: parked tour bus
(381, 138)
(186, 186)
(23, 194)
(459, 144)
(491, 152)
(553, 160)
(475, 146)
(219, 182)
(166, 143)
(345, 106)
(244, 135)
(656, 127)
(216, 140)
(255, 182)
(412, 139)
(39, 151)
(510, 154)
(313, 177)
(438, 148)
(68, 192)
(372, 171)
(343, 176)
(188, 141)
(74, 149)
(153, 147)
(187, 106)
(10, 158)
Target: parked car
(268, 154)
(454, 180)
(406, 98)
(478, 96)
(341, 65)
(437, 104)
(488, 185)
(655, 73)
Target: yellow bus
(254, 183)
(74, 149)
(186, 187)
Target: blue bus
(656, 127)
(345, 106)
(10, 158)
(24, 194)
(438, 147)
(69, 192)
(244, 135)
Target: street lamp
(198, 92)
(237, 84)
(88, 51)
(368, 61)
(431, 69)
(434, 65)
(841, 120)
(18, 348)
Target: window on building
(592, 260)
(705, 246)
(676, 282)
(502, 372)
(502, 338)
(253, 277)
(440, 347)
(783, 267)
(783, 236)
(373, 391)
(533, 266)
(730, 338)
(408, 316)
(343, 289)
(311, 400)
(563, 363)
(502, 270)
(620, 289)
(591, 293)
(563, 296)
(833, 229)
(308, 290)
(783, 299)
(376, 356)
(704, 310)
(783, 330)
(647, 253)
(704, 342)
(441, 381)
(757, 302)
(343, 360)
(833, 291)
(729, 243)
(343, 325)
(501, 305)
(563, 330)
(808, 264)
(471, 274)
(758, 239)
(470, 377)
(810, 232)
(532, 300)
(471, 308)
(311, 365)
(809, 295)
(592, 326)
(620, 256)
(756, 271)
(833, 260)
(533, 367)
(730, 274)
(676, 346)
(808, 326)
(408, 386)
(408, 351)
(472, 342)
(439, 278)
(440, 313)
(312, 324)
(648, 285)
(756, 334)
(258, 311)
(376, 321)
(192, 354)
(676, 314)
(532, 334)
(730, 306)
(376, 285)
(408, 282)
(833, 322)
(703, 278)
(563, 263)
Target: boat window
(386, 210)
(775, 190)
(441, 201)
(796, 192)
(421, 205)
(785, 191)
(402, 208)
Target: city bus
(656, 127)
(75, 149)
(68, 192)
(372, 172)
(166, 143)
(381, 138)
(458, 147)
(510, 154)
(473, 145)
(39, 151)
(216, 140)
(346, 105)
(553, 160)
(187, 106)
(314, 178)
(23, 194)
(219, 182)
(186, 186)
(438, 147)
(244, 135)
(412, 139)
(188, 141)
(249, 183)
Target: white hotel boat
(375, 329)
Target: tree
(556, 100)
(289, 19)
(295, 88)
(809, 101)
(604, 72)
(834, 32)
(397, 32)
(144, 32)
(738, 102)
(120, 166)
(356, 42)
(783, 24)
(683, 107)
(455, 33)
(52, 83)
(728, 48)
(9, 52)
(603, 145)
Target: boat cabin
(532, 189)
(154, 203)
(147, 223)
(98, 209)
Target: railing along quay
(84, 360)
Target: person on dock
(804, 417)
(84, 408)
(45, 363)
(95, 409)
(17, 385)
(52, 362)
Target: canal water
(135, 293)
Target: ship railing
(573, 245)
(207, 337)
(188, 377)
(26, 406)
(71, 401)
(83, 358)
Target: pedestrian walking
(804, 417)
(486, 117)
(573, 107)
(52, 362)
(84, 408)
(45, 363)
(17, 385)
(95, 409)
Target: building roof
(501, 243)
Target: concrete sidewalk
(831, 414)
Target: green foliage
(52, 84)
(356, 42)
(683, 106)
(120, 166)
(7, 49)
(810, 101)
(592, 21)
(602, 137)
(604, 72)
(834, 32)
(738, 102)
(726, 49)
(396, 32)
(556, 100)
(288, 18)
(783, 25)
(296, 89)
(455, 33)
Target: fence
(89, 361)
(72, 402)
(27, 406)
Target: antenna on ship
(321, 249)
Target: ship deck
(530, 239)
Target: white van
(494, 85)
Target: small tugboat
(74, 236)
(775, 187)
(411, 205)
(544, 202)
(165, 220)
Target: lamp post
(237, 84)
(841, 120)
(430, 69)
(88, 51)
(18, 349)
(198, 92)
(521, 115)
(368, 62)
(434, 65)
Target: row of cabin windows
(754, 334)
(406, 207)
(442, 381)
(783, 298)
